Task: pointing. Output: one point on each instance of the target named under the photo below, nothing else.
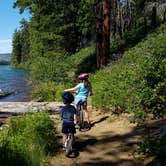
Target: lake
(16, 80)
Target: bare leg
(64, 138)
(78, 117)
(86, 115)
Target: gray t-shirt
(67, 113)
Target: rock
(4, 94)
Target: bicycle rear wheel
(81, 119)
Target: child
(68, 115)
(82, 89)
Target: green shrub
(52, 75)
(28, 140)
(58, 67)
(83, 61)
(152, 146)
(136, 83)
(153, 98)
(136, 34)
(49, 91)
(45, 91)
(45, 69)
(117, 45)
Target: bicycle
(81, 114)
(68, 144)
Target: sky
(9, 22)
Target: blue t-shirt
(67, 113)
(83, 91)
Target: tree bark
(164, 17)
(106, 32)
(154, 17)
(99, 37)
(119, 19)
(102, 33)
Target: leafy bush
(137, 82)
(114, 87)
(151, 146)
(83, 60)
(117, 45)
(45, 69)
(27, 140)
(52, 75)
(134, 35)
(153, 98)
(49, 91)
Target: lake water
(16, 80)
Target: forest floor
(110, 142)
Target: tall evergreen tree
(106, 32)
(99, 32)
(24, 40)
(17, 47)
(103, 33)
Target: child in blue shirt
(83, 89)
(68, 115)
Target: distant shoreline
(4, 62)
(5, 59)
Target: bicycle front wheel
(68, 146)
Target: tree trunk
(114, 17)
(119, 19)
(128, 13)
(102, 33)
(99, 37)
(164, 17)
(106, 32)
(154, 17)
(145, 25)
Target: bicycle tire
(81, 119)
(68, 145)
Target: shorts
(78, 99)
(68, 127)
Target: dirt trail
(110, 142)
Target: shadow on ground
(109, 163)
(157, 162)
(112, 149)
(82, 143)
(114, 146)
(99, 121)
